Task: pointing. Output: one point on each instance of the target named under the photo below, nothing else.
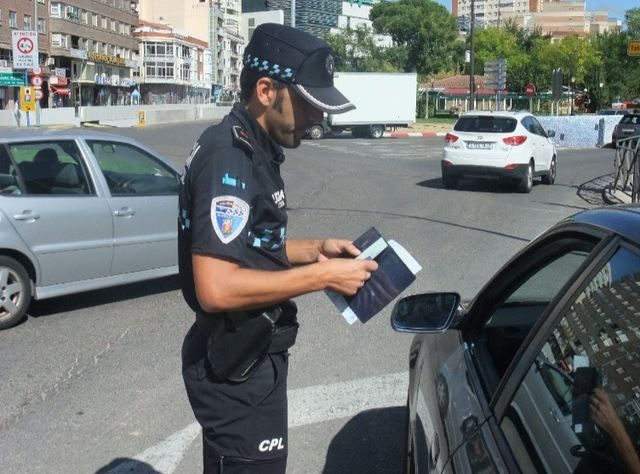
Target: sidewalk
(421, 130)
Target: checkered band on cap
(274, 70)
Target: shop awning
(60, 90)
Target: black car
(629, 126)
(507, 382)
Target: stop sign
(530, 90)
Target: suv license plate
(480, 145)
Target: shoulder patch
(241, 136)
(229, 215)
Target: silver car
(80, 211)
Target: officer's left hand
(331, 248)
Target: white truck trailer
(382, 100)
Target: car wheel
(376, 131)
(449, 181)
(550, 177)
(409, 466)
(316, 132)
(15, 292)
(526, 183)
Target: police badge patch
(229, 215)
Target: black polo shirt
(232, 200)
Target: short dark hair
(248, 79)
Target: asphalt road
(91, 383)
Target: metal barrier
(626, 181)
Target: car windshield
(632, 119)
(485, 124)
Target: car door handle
(125, 212)
(26, 216)
(554, 415)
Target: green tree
(632, 19)
(424, 28)
(356, 51)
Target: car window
(485, 124)
(47, 167)
(591, 356)
(520, 309)
(131, 170)
(537, 128)
(630, 119)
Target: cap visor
(327, 99)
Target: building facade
(558, 18)
(174, 68)
(21, 15)
(217, 22)
(93, 42)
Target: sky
(615, 8)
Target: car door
(499, 322)
(57, 212)
(592, 338)
(144, 205)
(535, 139)
(546, 148)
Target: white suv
(507, 145)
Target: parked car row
(81, 211)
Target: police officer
(238, 268)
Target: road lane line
(307, 405)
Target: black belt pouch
(236, 352)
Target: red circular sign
(25, 45)
(530, 90)
(39, 94)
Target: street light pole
(472, 82)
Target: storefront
(102, 80)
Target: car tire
(15, 292)
(550, 177)
(526, 183)
(376, 131)
(316, 132)
(449, 181)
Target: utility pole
(293, 13)
(472, 81)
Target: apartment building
(93, 41)
(218, 22)
(174, 67)
(558, 18)
(20, 15)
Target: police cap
(299, 59)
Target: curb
(416, 134)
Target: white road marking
(306, 406)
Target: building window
(42, 25)
(59, 40)
(94, 20)
(72, 13)
(103, 23)
(85, 17)
(56, 9)
(113, 25)
(27, 22)
(13, 19)
(0, 16)
(159, 70)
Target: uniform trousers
(244, 425)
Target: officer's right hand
(347, 275)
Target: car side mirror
(551, 133)
(425, 313)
